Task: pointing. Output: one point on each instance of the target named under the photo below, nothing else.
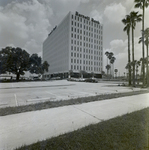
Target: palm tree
(127, 24)
(107, 54)
(110, 57)
(134, 17)
(108, 67)
(146, 35)
(112, 60)
(146, 41)
(116, 71)
(142, 4)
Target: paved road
(26, 128)
(23, 93)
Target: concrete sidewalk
(26, 128)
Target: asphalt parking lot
(24, 93)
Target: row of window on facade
(88, 38)
(86, 50)
(85, 68)
(86, 56)
(86, 62)
(77, 18)
(88, 33)
(87, 44)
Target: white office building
(76, 44)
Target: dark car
(93, 80)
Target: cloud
(115, 12)
(22, 22)
(96, 15)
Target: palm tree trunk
(143, 65)
(147, 75)
(129, 59)
(133, 56)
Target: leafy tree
(82, 73)
(92, 74)
(126, 21)
(70, 73)
(14, 60)
(45, 67)
(142, 4)
(36, 65)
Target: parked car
(93, 80)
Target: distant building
(76, 44)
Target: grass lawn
(52, 104)
(129, 132)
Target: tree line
(130, 23)
(18, 61)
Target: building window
(72, 35)
(71, 41)
(71, 67)
(72, 29)
(86, 68)
(71, 47)
(75, 23)
(78, 24)
(72, 16)
(71, 60)
(71, 53)
(72, 22)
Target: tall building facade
(76, 44)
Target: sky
(27, 23)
